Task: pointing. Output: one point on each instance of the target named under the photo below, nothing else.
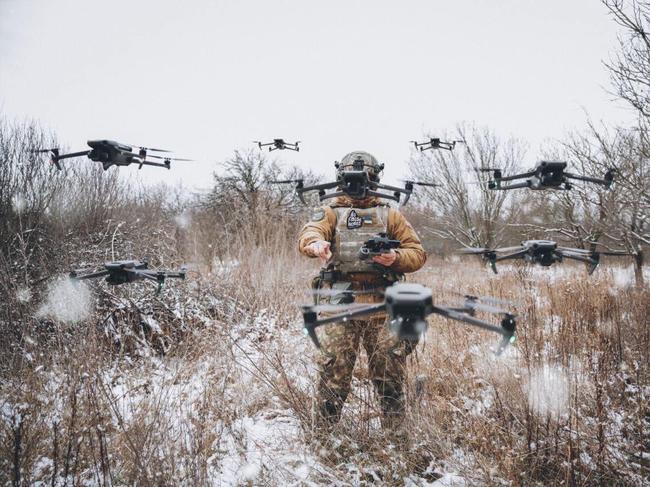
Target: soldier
(335, 234)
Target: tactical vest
(354, 226)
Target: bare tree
(630, 68)
(621, 213)
(245, 203)
(462, 209)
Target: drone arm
(158, 164)
(175, 275)
(580, 257)
(394, 197)
(518, 176)
(456, 314)
(514, 255)
(593, 260)
(72, 154)
(389, 188)
(312, 321)
(318, 187)
(525, 184)
(589, 179)
(397, 191)
(366, 310)
(92, 275)
(336, 194)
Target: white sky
(205, 77)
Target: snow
(67, 301)
(548, 391)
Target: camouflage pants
(386, 364)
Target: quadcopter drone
(436, 143)
(278, 144)
(546, 175)
(125, 271)
(111, 153)
(355, 184)
(542, 252)
(408, 306)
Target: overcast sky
(205, 77)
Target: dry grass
(222, 393)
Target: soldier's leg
(336, 364)
(387, 366)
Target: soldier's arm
(410, 254)
(321, 226)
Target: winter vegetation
(211, 381)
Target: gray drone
(111, 153)
(542, 252)
(126, 271)
(407, 306)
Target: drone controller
(378, 245)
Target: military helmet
(360, 161)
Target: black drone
(111, 153)
(355, 184)
(546, 175)
(278, 144)
(436, 143)
(408, 306)
(125, 271)
(542, 252)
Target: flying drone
(111, 153)
(436, 143)
(125, 271)
(546, 175)
(542, 252)
(407, 306)
(355, 184)
(278, 144)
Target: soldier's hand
(321, 248)
(387, 259)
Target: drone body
(546, 175)
(279, 144)
(436, 143)
(126, 271)
(540, 252)
(112, 153)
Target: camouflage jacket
(324, 223)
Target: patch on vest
(354, 220)
(318, 215)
